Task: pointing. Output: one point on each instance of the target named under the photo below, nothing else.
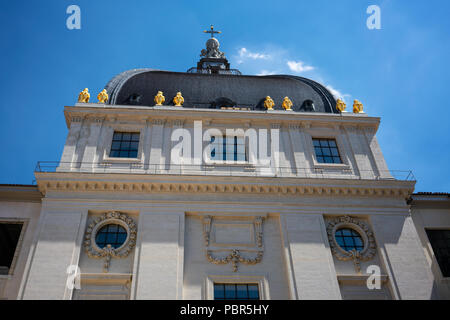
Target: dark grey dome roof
(139, 87)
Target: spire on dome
(213, 60)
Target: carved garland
(235, 256)
(363, 229)
(112, 217)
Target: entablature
(166, 114)
(89, 182)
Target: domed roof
(139, 87)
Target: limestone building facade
(225, 190)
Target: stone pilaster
(310, 266)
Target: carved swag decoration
(235, 256)
(112, 217)
(366, 254)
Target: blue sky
(400, 73)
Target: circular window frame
(361, 227)
(105, 223)
(112, 217)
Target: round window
(112, 234)
(349, 239)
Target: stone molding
(112, 217)
(81, 185)
(360, 226)
(235, 256)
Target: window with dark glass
(124, 145)
(235, 291)
(440, 242)
(9, 238)
(228, 148)
(112, 234)
(349, 239)
(326, 151)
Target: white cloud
(337, 94)
(299, 66)
(244, 53)
(271, 60)
(266, 73)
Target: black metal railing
(234, 72)
(227, 169)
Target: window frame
(227, 162)
(315, 134)
(18, 249)
(259, 279)
(434, 257)
(235, 291)
(109, 139)
(328, 140)
(352, 236)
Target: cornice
(90, 182)
(20, 193)
(282, 118)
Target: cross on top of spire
(212, 31)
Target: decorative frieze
(192, 187)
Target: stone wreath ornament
(108, 252)
(369, 250)
(235, 256)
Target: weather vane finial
(212, 31)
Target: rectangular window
(236, 291)
(326, 151)
(440, 242)
(124, 145)
(230, 148)
(9, 238)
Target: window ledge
(445, 280)
(331, 166)
(107, 160)
(231, 164)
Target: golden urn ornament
(268, 103)
(84, 96)
(178, 100)
(159, 98)
(102, 96)
(287, 104)
(357, 107)
(340, 105)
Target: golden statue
(340, 105)
(102, 96)
(84, 96)
(357, 106)
(268, 103)
(287, 104)
(159, 98)
(178, 100)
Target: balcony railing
(237, 170)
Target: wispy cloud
(299, 66)
(266, 73)
(273, 59)
(244, 53)
(337, 94)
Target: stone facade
(197, 225)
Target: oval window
(112, 234)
